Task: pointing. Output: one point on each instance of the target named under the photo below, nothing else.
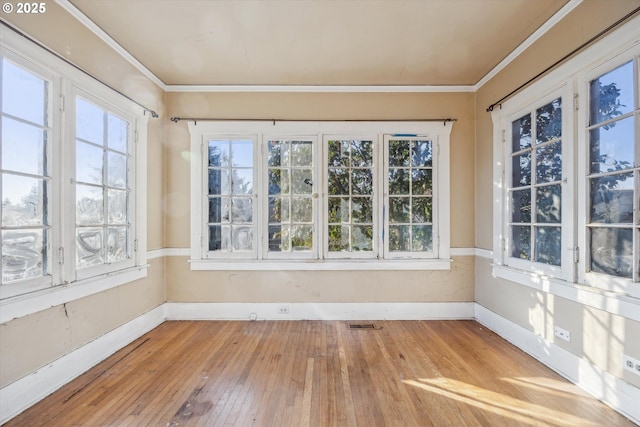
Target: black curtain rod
(563, 59)
(62, 58)
(195, 120)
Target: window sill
(322, 265)
(23, 305)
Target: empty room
(320, 213)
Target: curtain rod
(62, 58)
(195, 120)
(563, 59)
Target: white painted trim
(551, 22)
(463, 252)
(322, 265)
(166, 252)
(484, 253)
(322, 88)
(102, 35)
(21, 394)
(617, 393)
(321, 311)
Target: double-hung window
(320, 194)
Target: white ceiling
(319, 42)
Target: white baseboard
(21, 394)
(321, 311)
(617, 393)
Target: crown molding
(319, 88)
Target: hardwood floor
(314, 373)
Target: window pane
(421, 182)
(549, 121)
(301, 209)
(242, 181)
(117, 207)
(279, 238)
(339, 154)
(548, 204)
(278, 181)
(117, 174)
(521, 206)
(422, 238)
(219, 209)
(548, 245)
(301, 181)
(89, 122)
(362, 209)
(521, 133)
(215, 237)
(23, 254)
(362, 238)
(219, 182)
(398, 181)
(117, 244)
(549, 162)
(301, 153)
(242, 153)
(301, 237)
(24, 95)
(242, 238)
(24, 201)
(278, 209)
(339, 238)
(339, 210)
(219, 153)
(612, 146)
(117, 133)
(89, 163)
(422, 154)
(612, 94)
(338, 182)
(361, 153)
(89, 246)
(89, 205)
(521, 170)
(399, 152)
(362, 181)
(612, 251)
(23, 148)
(241, 210)
(521, 242)
(612, 199)
(421, 209)
(399, 238)
(399, 209)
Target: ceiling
(319, 42)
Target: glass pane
(301, 181)
(339, 153)
(521, 133)
(612, 251)
(612, 199)
(362, 181)
(339, 209)
(548, 245)
(219, 182)
(421, 238)
(278, 181)
(399, 209)
(215, 237)
(611, 94)
(301, 153)
(521, 170)
(279, 239)
(301, 209)
(549, 121)
(23, 254)
(422, 154)
(24, 95)
(338, 238)
(399, 152)
(225, 210)
(226, 238)
(398, 181)
(216, 210)
(548, 204)
(362, 209)
(89, 122)
(338, 181)
(549, 163)
(219, 153)
(612, 146)
(89, 163)
(278, 153)
(117, 133)
(242, 153)
(117, 174)
(117, 207)
(242, 238)
(362, 238)
(242, 181)
(279, 210)
(23, 201)
(23, 148)
(301, 237)
(116, 244)
(421, 209)
(421, 182)
(89, 246)
(89, 205)
(521, 206)
(521, 242)
(399, 238)
(242, 210)
(361, 153)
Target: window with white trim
(63, 133)
(320, 191)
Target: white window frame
(24, 297)
(202, 131)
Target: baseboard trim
(615, 392)
(321, 311)
(25, 392)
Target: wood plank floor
(320, 373)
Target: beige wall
(31, 342)
(597, 336)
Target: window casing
(320, 192)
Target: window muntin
(25, 174)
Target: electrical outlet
(283, 309)
(562, 333)
(631, 364)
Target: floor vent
(362, 326)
